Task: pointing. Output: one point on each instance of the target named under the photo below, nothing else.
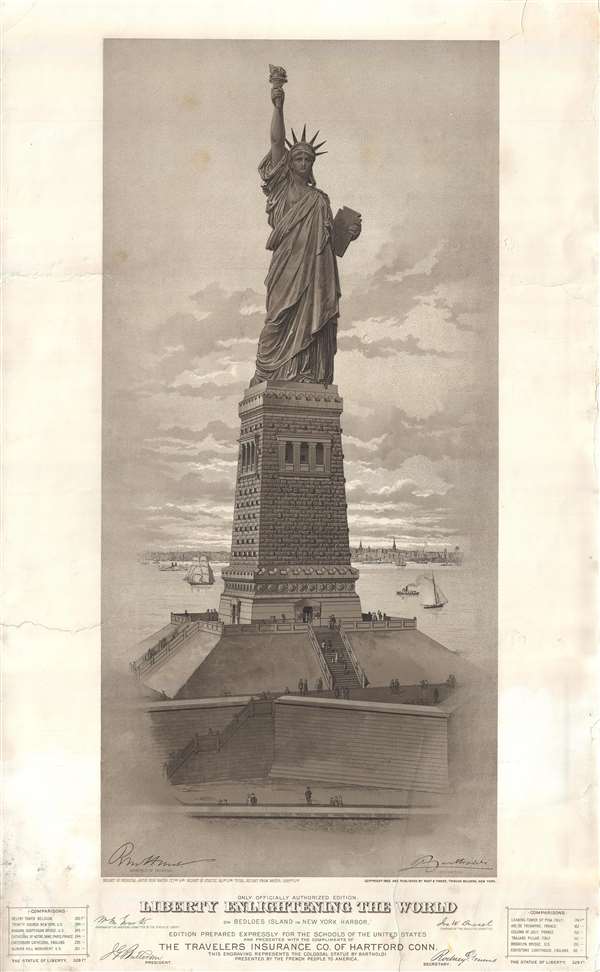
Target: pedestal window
(304, 457)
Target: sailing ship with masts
(200, 574)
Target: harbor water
(144, 596)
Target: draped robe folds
(298, 340)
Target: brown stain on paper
(201, 159)
(189, 102)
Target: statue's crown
(302, 142)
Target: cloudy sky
(411, 131)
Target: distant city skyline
(412, 139)
(195, 549)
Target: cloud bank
(416, 366)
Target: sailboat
(439, 597)
(200, 574)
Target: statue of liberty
(298, 340)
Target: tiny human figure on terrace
(308, 795)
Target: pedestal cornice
(278, 395)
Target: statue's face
(301, 162)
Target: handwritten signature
(429, 863)
(123, 922)
(129, 952)
(456, 923)
(446, 957)
(124, 855)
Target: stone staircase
(243, 749)
(342, 669)
(171, 731)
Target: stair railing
(212, 742)
(327, 675)
(159, 653)
(238, 720)
(180, 757)
(358, 669)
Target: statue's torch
(277, 79)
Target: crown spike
(319, 145)
(288, 143)
(303, 139)
(312, 141)
(294, 137)
(320, 153)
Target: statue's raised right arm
(278, 78)
(277, 125)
